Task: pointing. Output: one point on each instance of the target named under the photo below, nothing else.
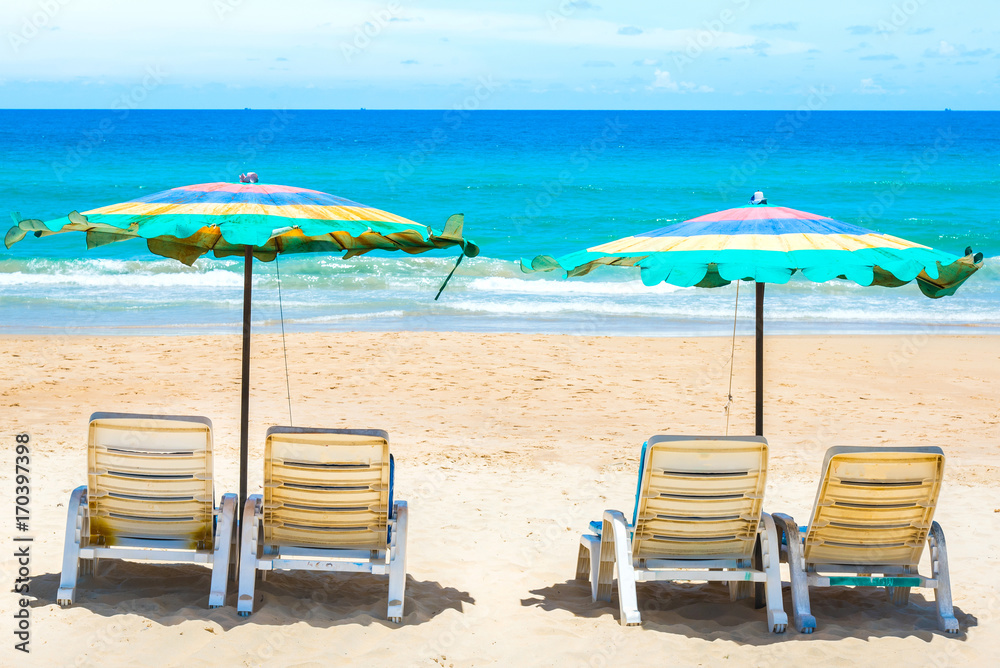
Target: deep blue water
(529, 182)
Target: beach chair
(873, 514)
(327, 506)
(149, 496)
(697, 517)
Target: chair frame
(256, 556)
(608, 553)
(896, 578)
(82, 558)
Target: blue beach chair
(697, 517)
(873, 515)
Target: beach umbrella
(767, 244)
(252, 220)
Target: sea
(529, 183)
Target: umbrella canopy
(768, 244)
(224, 218)
(253, 220)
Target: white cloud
(943, 49)
(947, 50)
(663, 81)
(869, 87)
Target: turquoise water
(529, 182)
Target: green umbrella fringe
(882, 267)
(355, 239)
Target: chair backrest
(699, 497)
(150, 479)
(874, 505)
(328, 488)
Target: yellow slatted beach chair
(149, 496)
(697, 518)
(874, 512)
(327, 506)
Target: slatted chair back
(874, 505)
(150, 479)
(699, 497)
(327, 488)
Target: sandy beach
(506, 446)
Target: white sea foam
(216, 278)
(567, 287)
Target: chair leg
(397, 564)
(220, 556)
(769, 560)
(939, 571)
(787, 529)
(76, 513)
(899, 596)
(583, 561)
(740, 589)
(616, 550)
(248, 555)
(588, 562)
(759, 594)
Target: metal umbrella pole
(760, 359)
(245, 394)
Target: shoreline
(782, 329)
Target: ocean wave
(567, 287)
(342, 317)
(871, 311)
(208, 279)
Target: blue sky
(544, 54)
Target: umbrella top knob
(249, 177)
(758, 198)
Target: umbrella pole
(245, 392)
(760, 359)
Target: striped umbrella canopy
(251, 219)
(768, 244)
(225, 218)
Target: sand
(506, 445)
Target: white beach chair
(873, 514)
(697, 518)
(327, 506)
(149, 496)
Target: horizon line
(470, 111)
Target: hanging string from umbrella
(732, 358)
(284, 348)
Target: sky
(541, 54)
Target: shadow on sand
(170, 594)
(705, 611)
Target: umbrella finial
(249, 177)
(758, 198)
